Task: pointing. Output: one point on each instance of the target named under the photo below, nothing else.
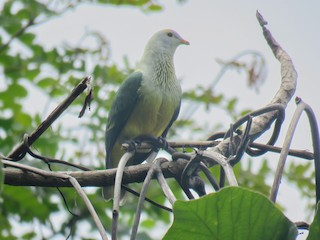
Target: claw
(132, 144)
(163, 143)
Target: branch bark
(285, 93)
(96, 178)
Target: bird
(147, 102)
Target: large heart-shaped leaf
(232, 213)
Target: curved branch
(288, 82)
(287, 88)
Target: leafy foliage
(232, 213)
(315, 226)
(29, 68)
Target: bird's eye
(169, 34)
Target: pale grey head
(165, 42)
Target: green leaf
(23, 118)
(46, 82)
(1, 180)
(17, 90)
(155, 7)
(232, 213)
(231, 104)
(27, 38)
(32, 73)
(314, 231)
(26, 203)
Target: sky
(215, 30)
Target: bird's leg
(155, 142)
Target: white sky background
(215, 29)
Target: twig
(38, 171)
(205, 144)
(292, 152)
(51, 160)
(147, 199)
(20, 150)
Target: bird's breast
(153, 111)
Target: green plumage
(148, 101)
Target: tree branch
(97, 178)
(287, 86)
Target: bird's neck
(159, 67)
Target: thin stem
(90, 207)
(165, 187)
(117, 191)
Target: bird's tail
(108, 193)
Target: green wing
(121, 110)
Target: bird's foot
(132, 144)
(157, 143)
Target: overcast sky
(215, 29)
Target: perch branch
(97, 178)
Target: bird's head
(166, 40)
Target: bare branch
(288, 82)
(97, 178)
(287, 88)
(20, 150)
